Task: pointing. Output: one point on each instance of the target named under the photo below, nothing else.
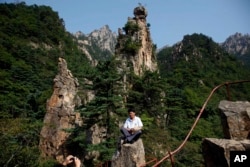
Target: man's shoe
(124, 141)
(132, 141)
(122, 137)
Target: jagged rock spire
(135, 46)
(60, 114)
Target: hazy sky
(170, 20)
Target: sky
(170, 20)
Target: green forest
(32, 38)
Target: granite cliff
(97, 45)
(135, 46)
(60, 115)
(238, 44)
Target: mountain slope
(200, 57)
(192, 68)
(32, 38)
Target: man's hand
(131, 130)
(77, 162)
(69, 159)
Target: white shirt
(136, 122)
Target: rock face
(238, 44)
(135, 47)
(235, 119)
(131, 155)
(60, 114)
(98, 45)
(104, 38)
(236, 127)
(216, 152)
(95, 135)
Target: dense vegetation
(32, 39)
(192, 72)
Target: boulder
(235, 117)
(130, 155)
(216, 152)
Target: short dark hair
(131, 109)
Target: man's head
(131, 113)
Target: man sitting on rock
(131, 129)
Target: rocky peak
(60, 114)
(135, 46)
(238, 44)
(104, 38)
(98, 45)
(193, 49)
(79, 34)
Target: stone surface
(97, 45)
(130, 155)
(140, 12)
(95, 135)
(237, 44)
(143, 59)
(60, 114)
(235, 119)
(236, 127)
(216, 152)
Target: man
(131, 131)
(131, 128)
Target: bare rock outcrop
(130, 155)
(60, 114)
(135, 46)
(216, 152)
(235, 117)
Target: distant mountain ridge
(199, 56)
(238, 44)
(104, 38)
(99, 44)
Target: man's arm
(126, 125)
(140, 125)
(137, 128)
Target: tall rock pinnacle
(134, 45)
(60, 114)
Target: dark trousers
(130, 137)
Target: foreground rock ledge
(216, 152)
(131, 155)
(235, 117)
